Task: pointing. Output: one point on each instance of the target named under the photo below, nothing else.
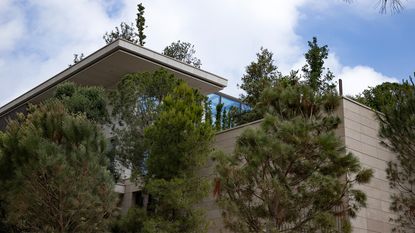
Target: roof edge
(94, 57)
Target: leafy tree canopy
(314, 69)
(136, 103)
(382, 95)
(183, 51)
(260, 74)
(91, 100)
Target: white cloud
(226, 34)
(356, 79)
(51, 33)
(11, 25)
(39, 38)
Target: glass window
(228, 104)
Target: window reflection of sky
(228, 103)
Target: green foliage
(183, 51)
(179, 145)
(397, 131)
(132, 222)
(292, 174)
(385, 94)
(127, 31)
(218, 116)
(208, 111)
(314, 69)
(91, 101)
(175, 204)
(136, 103)
(140, 24)
(178, 140)
(41, 154)
(263, 74)
(176, 145)
(260, 74)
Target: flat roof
(106, 66)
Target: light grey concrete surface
(359, 131)
(106, 66)
(361, 138)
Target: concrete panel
(361, 138)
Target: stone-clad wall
(224, 141)
(361, 138)
(359, 130)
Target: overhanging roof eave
(107, 50)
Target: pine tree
(292, 174)
(183, 51)
(397, 131)
(54, 173)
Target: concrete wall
(359, 131)
(361, 138)
(224, 141)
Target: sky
(39, 37)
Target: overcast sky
(39, 37)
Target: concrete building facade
(359, 128)
(359, 132)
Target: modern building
(107, 65)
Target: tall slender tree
(128, 32)
(140, 23)
(179, 146)
(314, 70)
